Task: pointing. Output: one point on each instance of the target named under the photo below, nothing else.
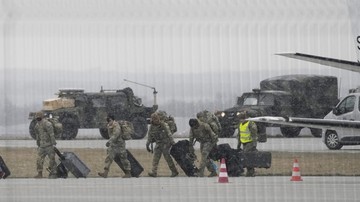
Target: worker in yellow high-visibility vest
(247, 137)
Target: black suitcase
(136, 168)
(234, 165)
(220, 151)
(61, 171)
(4, 170)
(73, 164)
(257, 159)
(185, 157)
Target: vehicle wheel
(316, 132)
(70, 128)
(104, 133)
(227, 132)
(32, 129)
(140, 127)
(290, 131)
(332, 140)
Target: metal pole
(154, 92)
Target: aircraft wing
(307, 122)
(341, 64)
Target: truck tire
(70, 128)
(290, 131)
(227, 132)
(32, 129)
(104, 133)
(332, 140)
(140, 127)
(316, 132)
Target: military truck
(75, 109)
(310, 96)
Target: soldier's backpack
(127, 129)
(209, 118)
(169, 120)
(58, 128)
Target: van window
(347, 105)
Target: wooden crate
(58, 103)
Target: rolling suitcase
(73, 164)
(61, 171)
(185, 157)
(220, 151)
(4, 170)
(234, 165)
(136, 168)
(257, 159)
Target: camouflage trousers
(250, 147)
(205, 149)
(42, 153)
(162, 149)
(112, 152)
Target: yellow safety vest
(245, 134)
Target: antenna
(154, 92)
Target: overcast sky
(187, 49)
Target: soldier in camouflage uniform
(116, 147)
(247, 137)
(210, 118)
(167, 119)
(159, 133)
(45, 140)
(203, 133)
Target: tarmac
(259, 188)
(270, 189)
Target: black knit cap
(193, 122)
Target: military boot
(127, 174)
(250, 172)
(39, 175)
(152, 174)
(174, 173)
(213, 174)
(52, 176)
(104, 174)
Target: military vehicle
(75, 109)
(309, 96)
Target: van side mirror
(335, 111)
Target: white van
(346, 111)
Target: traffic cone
(223, 175)
(296, 172)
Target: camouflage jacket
(160, 134)
(203, 134)
(210, 118)
(114, 131)
(44, 131)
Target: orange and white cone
(296, 172)
(223, 175)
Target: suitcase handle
(62, 157)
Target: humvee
(75, 109)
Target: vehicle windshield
(256, 99)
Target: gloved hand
(148, 147)
(107, 144)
